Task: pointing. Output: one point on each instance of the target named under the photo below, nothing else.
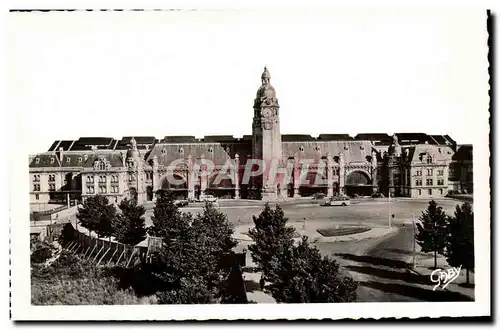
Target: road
(382, 269)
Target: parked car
(319, 196)
(338, 201)
(181, 203)
(208, 198)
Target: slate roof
(66, 144)
(53, 145)
(142, 142)
(334, 137)
(377, 138)
(45, 160)
(353, 151)
(115, 158)
(179, 139)
(216, 152)
(296, 137)
(219, 138)
(439, 153)
(73, 160)
(85, 143)
(413, 138)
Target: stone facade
(406, 164)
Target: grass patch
(332, 232)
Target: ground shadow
(416, 292)
(374, 260)
(251, 286)
(468, 286)
(406, 252)
(393, 275)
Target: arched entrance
(358, 183)
(315, 182)
(149, 193)
(177, 184)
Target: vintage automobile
(338, 201)
(181, 203)
(208, 198)
(319, 196)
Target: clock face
(266, 112)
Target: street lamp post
(390, 216)
(413, 223)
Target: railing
(51, 211)
(105, 252)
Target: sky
(196, 73)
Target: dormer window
(163, 151)
(346, 148)
(301, 149)
(211, 150)
(37, 160)
(361, 148)
(68, 159)
(181, 150)
(317, 148)
(79, 159)
(52, 160)
(429, 159)
(86, 157)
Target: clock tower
(266, 146)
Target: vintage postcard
(166, 159)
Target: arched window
(301, 149)
(429, 159)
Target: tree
(301, 275)
(269, 235)
(432, 230)
(460, 239)
(168, 220)
(189, 259)
(129, 227)
(96, 214)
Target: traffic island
(341, 231)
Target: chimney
(61, 154)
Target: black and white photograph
(249, 160)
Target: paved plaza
(366, 212)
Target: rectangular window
(102, 189)
(430, 192)
(441, 191)
(429, 182)
(429, 171)
(37, 197)
(419, 173)
(90, 189)
(440, 182)
(52, 177)
(52, 187)
(36, 178)
(419, 192)
(440, 172)
(36, 187)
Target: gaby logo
(444, 277)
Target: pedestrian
(262, 283)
